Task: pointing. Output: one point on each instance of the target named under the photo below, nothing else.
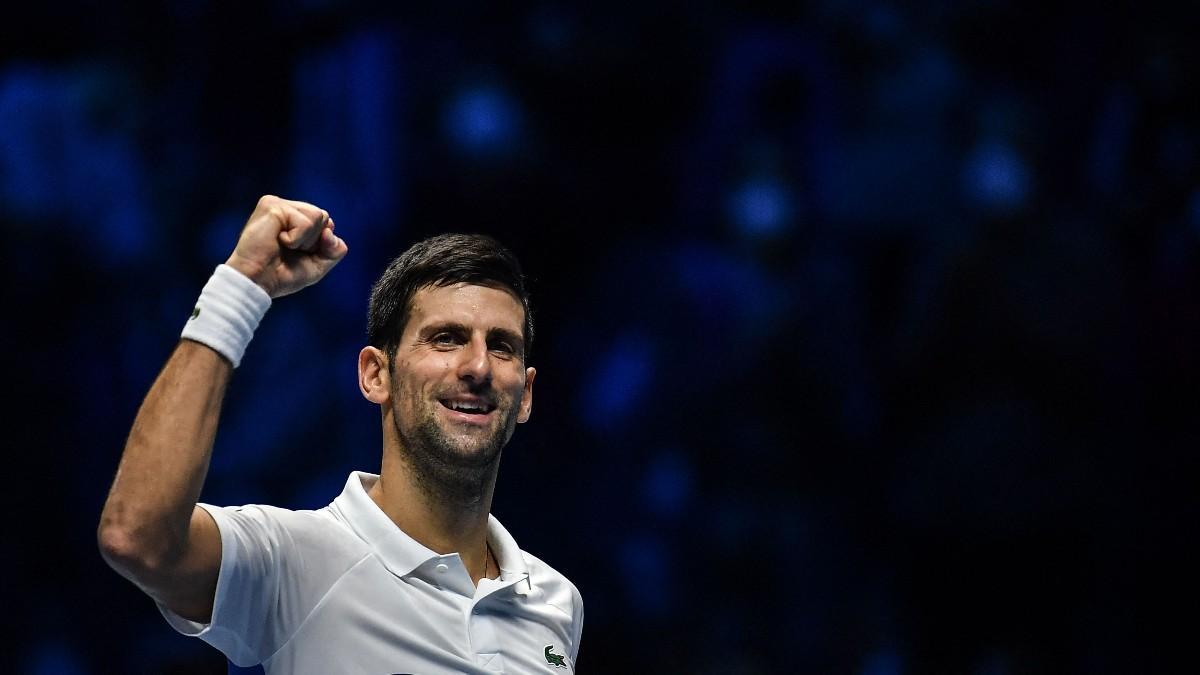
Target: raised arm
(151, 531)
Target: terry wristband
(228, 311)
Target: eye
(504, 348)
(443, 339)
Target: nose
(475, 364)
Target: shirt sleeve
(247, 621)
(576, 623)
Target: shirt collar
(401, 553)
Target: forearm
(145, 520)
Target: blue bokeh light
(482, 119)
(667, 484)
(64, 156)
(761, 207)
(720, 286)
(619, 382)
(996, 177)
(53, 658)
(882, 227)
(883, 662)
(1193, 215)
(644, 558)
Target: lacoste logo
(195, 312)
(553, 659)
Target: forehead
(467, 304)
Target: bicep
(189, 586)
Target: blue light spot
(125, 233)
(995, 177)
(53, 658)
(1110, 145)
(1194, 213)
(619, 381)
(721, 286)
(761, 207)
(644, 558)
(346, 157)
(667, 485)
(882, 22)
(886, 662)
(32, 112)
(551, 28)
(57, 138)
(482, 119)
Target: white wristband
(228, 311)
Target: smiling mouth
(480, 408)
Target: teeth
(466, 407)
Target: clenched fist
(286, 245)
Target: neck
(440, 522)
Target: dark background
(867, 331)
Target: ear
(373, 377)
(527, 396)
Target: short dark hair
(441, 261)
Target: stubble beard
(446, 471)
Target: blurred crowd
(867, 331)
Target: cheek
(403, 385)
(418, 379)
(517, 389)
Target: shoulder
(556, 589)
(296, 531)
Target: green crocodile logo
(553, 659)
(196, 312)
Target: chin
(473, 448)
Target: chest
(374, 622)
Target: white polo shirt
(344, 590)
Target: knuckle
(276, 211)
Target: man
(406, 571)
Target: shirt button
(475, 611)
(441, 568)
